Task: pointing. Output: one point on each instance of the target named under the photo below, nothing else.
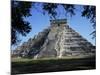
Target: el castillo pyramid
(57, 41)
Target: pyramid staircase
(63, 41)
(57, 41)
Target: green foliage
(90, 13)
(69, 9)
(20, 10)
(50, 8)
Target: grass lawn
(22, 66)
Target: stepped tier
(58, 41)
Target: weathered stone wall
(63, 41)
(57, 41)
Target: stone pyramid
(57, 41)
(63, 41)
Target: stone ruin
(57, 41)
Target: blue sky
(38, 21)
